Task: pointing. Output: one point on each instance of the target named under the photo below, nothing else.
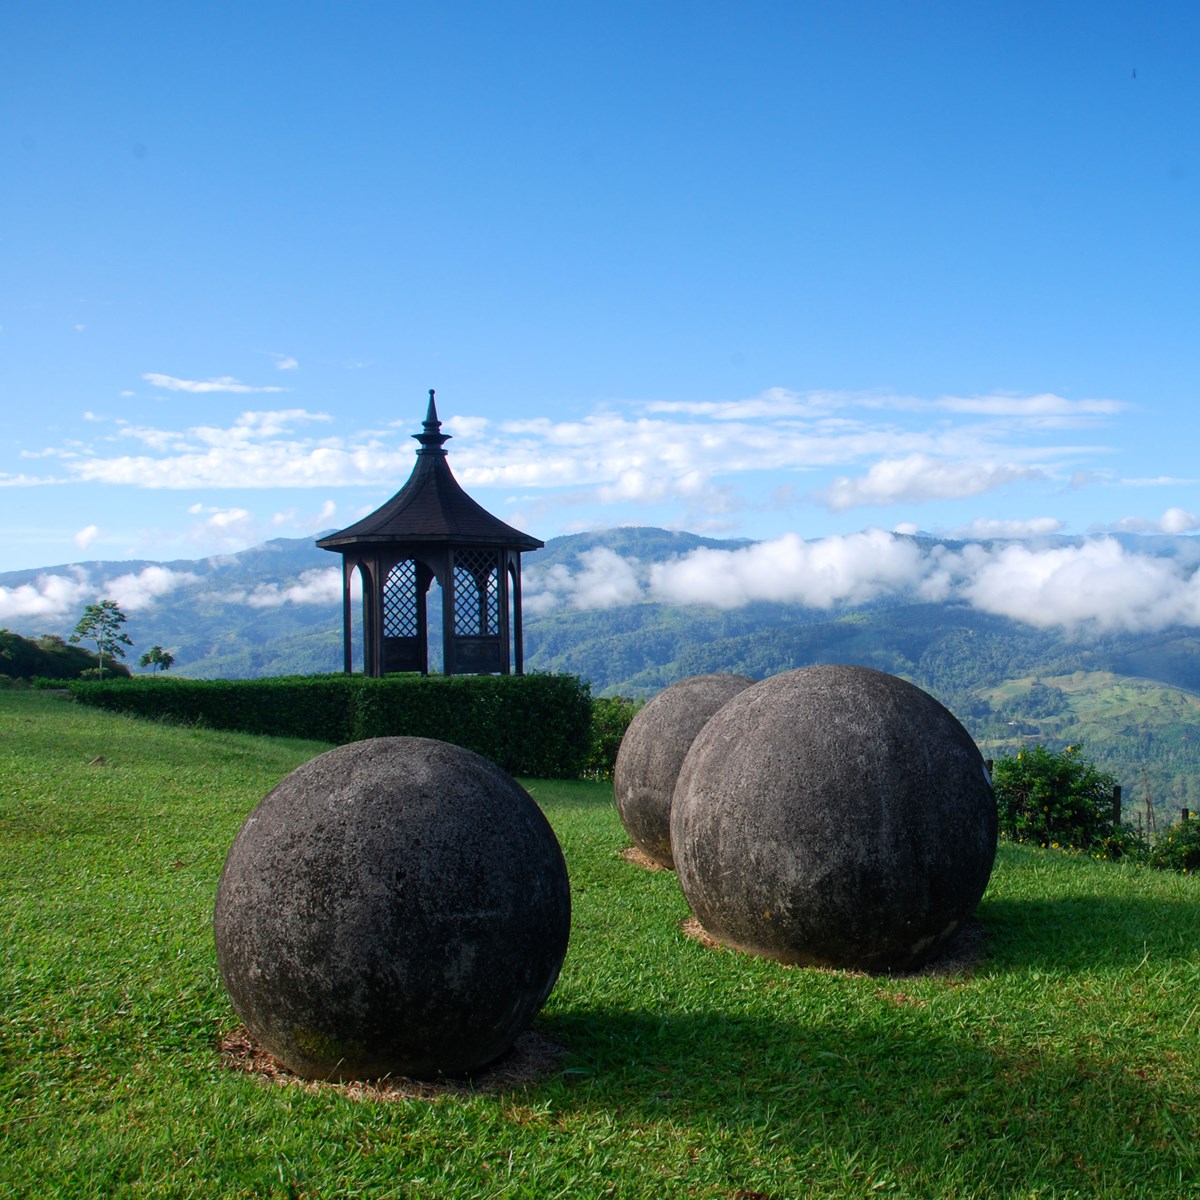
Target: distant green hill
(1132, 700)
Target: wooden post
(1116, 804)
(1186, 815)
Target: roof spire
(432, 440)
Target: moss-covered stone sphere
(834, 816)
(397, 906)
(653, 750)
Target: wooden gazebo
(431, 529)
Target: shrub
(1058, 799)
(113, 670)
(48, 657)
(610, 718)
(1178, 848)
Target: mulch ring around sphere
(639, 858)
(532, 1058)
(961, 956)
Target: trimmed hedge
(533, 725)
(611, 716)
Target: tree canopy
(101, 623)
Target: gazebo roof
(430, 507)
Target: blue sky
(762, 270)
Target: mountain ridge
(275, 608)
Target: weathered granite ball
(834, 816)
(397, 906)
(653, 750)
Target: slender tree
(158, 658)
(101, 623)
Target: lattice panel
(400, 601)
(476, 593)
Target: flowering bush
(1178, 849)
(1060, 800)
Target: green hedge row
(533, 725)
(610, 718)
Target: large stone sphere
(397, 906)
(653, 750)
(834, 816)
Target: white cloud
(844, 569)
(318, 586)
(769, 405)
(287, 363)
(920, 477)
(458, 426)
(1039, 407)
(134, 592)
(985, 529)
(7, 480)
(776, 403)
(633, 484)
(224, 383)
(86, 536)
(1097, 584)
(1177, 520)
(56, 596)
(49, 596)
(678, 463)
(259, 450)
(1094, 585)
(1174, 520)
(604, 580)
(228, 518)
(1160, 481)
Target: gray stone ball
(397, 906)
(653, 750)
(834, 816)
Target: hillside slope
(1130, 698)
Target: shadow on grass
(922, 1098)
(1074, 933)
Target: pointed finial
(432, 439)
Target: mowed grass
(1065, 1062)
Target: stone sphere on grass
(653, 750)
(398, 906)
(834, 816)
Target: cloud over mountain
(1097, 583)
(1103, 583)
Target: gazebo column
(373, 620)
(518, 635)
(449, 627)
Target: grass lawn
(1066, 1063)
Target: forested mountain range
(1131, 698)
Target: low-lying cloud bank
(1097, 584)
(56, 596)
(318, 586)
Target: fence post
(1186, 815)
(1116, 804)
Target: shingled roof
(431, 506)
